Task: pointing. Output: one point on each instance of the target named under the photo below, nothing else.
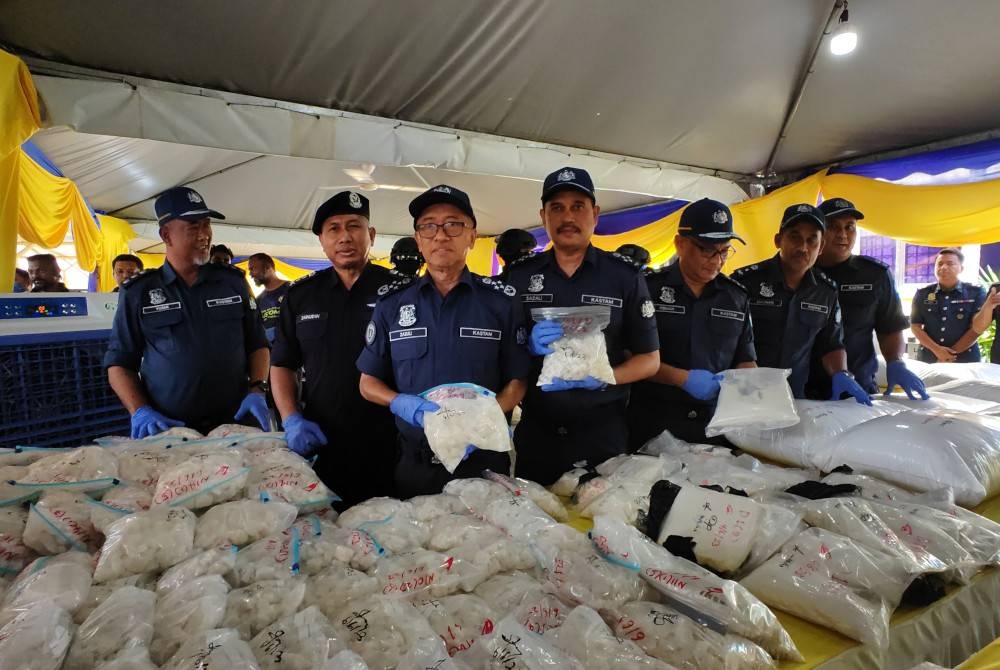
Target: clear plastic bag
(36, 639)
(468, 415)
(427, 508)
(397, 533)
(60, 521)
(146, 542)
(12, 495)
(13, 521)
(381, 630)
(100, 592)
(103, 515)
(753, 398)
(540, 610)
(217, 649)
(459, 620)
(301, 641)
(589, 579)
(241, 522)
(423, 573)
(373, 509)
(228, 429)
(130, 659)
(274, 557)
(82, 469)
(535, 492)
(585, 636)
(141, 463)
(202, 480)
(724, 605)
(14, 555)
(189, 610)
(503, 592)
(428, 652)
(582, 350)
(513, 646)
(253, 608)
(295, 484)
(24, 456)
(63, 580)
(337, 586)
(666, 634)
(448, 532)
(215, 561)
(123, 621)
(475, 494)
(503, 554)
(834, 582)
(346, 660)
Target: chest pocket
(479, 347)
(310, 328)
(811, 317)
(160, 329)
(407, 360)
(227, 323)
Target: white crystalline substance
(576, 357)
(242, 522)
(123, 621)
(337, 586)
(103, 514)
(36, 639)
(14, 555)
(270, 558)
(427, 508)
(373, 509)
(101, 592)
(504, 592)
(63, 580)
(185, 612)
(134, 498)
(458, 620)
(346, 660)
(202, 480)
(535, 492)
(74, 468)
(589, 579)
(585, 636)
(227, 429)
(664, 633)
(130, 659)
(12, 521)
(217, 649)
(753, 398)
(302, 641)
(293, 483)
(568, 482)
(141, 464)
(428, 653)
(146, 542)
(422, 573)
(253, 608)
(60, 521)
(513, 646)
(381, 630)
(216, 561)
(501, 555)
(448, 532)
(180, 431)
(540, 610)
(465, 417)
(475, 494)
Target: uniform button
(561, 431)
(692, 414)
(942, 328)
(944, 318)
(945, 307)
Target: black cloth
(710, 332)
(869, 304)
(418, 473)
(189, 344)
(946, 316)
(790, 326)
(321, 330)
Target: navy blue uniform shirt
(947, 315)
(869, 303)
(418, 339)
(789, 326)
(710, 332)
(189, 344)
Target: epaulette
(394, 287)
(139, 275)
(305, 278)
(497, 285)
(822, 276)
(230, 268)
(522, 260)
(739, 272)
(873, 261)
(735, 283)
(626, 260)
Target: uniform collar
(939, 289)
(205, 273)
(426, 280)
(590, 256)
(674, 277)
(336, 277)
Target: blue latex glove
(147, 421)
(587, 383)
(543, 334)
(255, 404)
(411, 408)
(702, 384)
(301, 435)
(897, 374)
(468, 451)
(842, 383)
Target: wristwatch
(260, 384)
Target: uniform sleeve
(254, 337)
(889, 316)
(745, 350)
(127, 342)
(641, 335)
(376, 357)
(831, 337)
(916, 307)
(285, 352)
(515, 361)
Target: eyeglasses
(710, 253)
(429, 231)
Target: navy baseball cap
(442, 194)
(345, 202)
(803, 212)
(708, 220)
(573, 178)
(181, 202)
(838, 206)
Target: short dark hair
(43, 258)
(953, 251)
(263, 258)
(18, 272)
(221, 247)
(127, 258)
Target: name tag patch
(220, 302)
(813, 307)
(671, 309)
(727, 314)
(848, 288)
(600, 300)
(537, 297)
(766, 303)
(479, 333)
(165, 307)
(408, 334)
(308, 317)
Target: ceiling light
(844, 39)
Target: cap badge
(720, 217)
(841, 203)
(566, 175)
(536, 283)
(157, 297)
(194, 197)
(667, 295)
(646, 309)
(442, 189)
(355, 200)
(407, 315)
(803, 208)
(765, 290)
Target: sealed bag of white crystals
(469, 416)
(582, 350)
(241, 522)
(123, 621)
(202, 480)
(146, 542)
(757, 398)
(301, 641)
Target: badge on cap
(720, 217)
(667, 295)
(803, 208)
(157, 297)
(765, 290)
(566, 175)
(194, 197)
(355, 200)
(443, 189)
(370, 333)
(407, 315)
(646, 309)
(842, 203)
(536, 283)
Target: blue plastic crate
(56, 394)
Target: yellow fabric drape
(948, 215)
(19, 119)
(115, 235)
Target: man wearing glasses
(795, 308)
(448, 326)
(703, 318)
(321, 330)
(573, 420)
